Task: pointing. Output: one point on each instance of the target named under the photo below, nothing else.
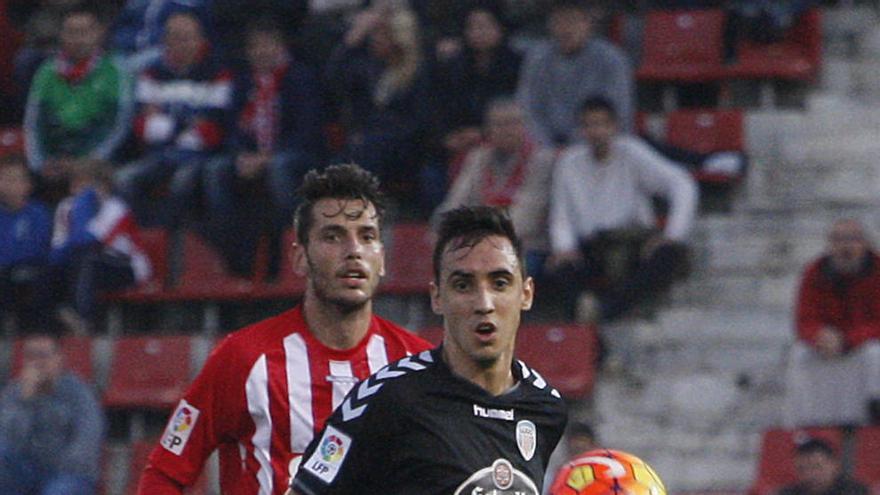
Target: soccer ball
(607, 472)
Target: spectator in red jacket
(834, 368)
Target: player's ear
(435, 298)
(299, 259)
(528, 293)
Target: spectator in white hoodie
(603, 199)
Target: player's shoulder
(535, 385)
(411, 342)
(394, 384)
(262, 336)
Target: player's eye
(460, 285)
(501, 283)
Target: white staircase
(704, 377)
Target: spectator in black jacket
(276, 139)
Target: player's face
(481, 294)
(344, 258)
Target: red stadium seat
(776, 462)
(11, 141)
(148, 372)
(204, 275)
(288, 284)
(706, 131)
(77, 356)
(155, 243)
(682, 46)
(797, 57)
(866, 459)
(565, 355)
(408, 260)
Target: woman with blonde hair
(378, 79)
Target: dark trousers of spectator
(21, 474)
(180, 173)
(23, 294)
(239, 211)
(618, 274)
(90, 272)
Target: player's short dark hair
(813, 445)
(345, 181)
(466, 226)
(598, 103)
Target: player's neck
(495, 379)
(335, 328)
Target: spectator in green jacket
(79, 103)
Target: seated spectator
(557, 76)
(79, 103)
(377, 76)
(276, 140)
(51, 426)
(25, 231)
(508, 170)
(95, 245)
(183, 104)
(833, 374)
(40, 23)
(601, 203)
(470, 74)
(819, 472)
(139, 31)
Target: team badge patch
(526, 438)
(180, 426)
(329, 456)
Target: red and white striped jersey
(263, 394)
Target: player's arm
(208, 413)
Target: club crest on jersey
(501, 478)
(329, 456)
(526, 438)
(179, 428)
(502, 474)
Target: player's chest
(475, 447)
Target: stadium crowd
(207, 114)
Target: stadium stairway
(692, 388)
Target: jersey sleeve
(350, 448)
(209, 413)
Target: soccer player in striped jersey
(464, 418)
(268, 388)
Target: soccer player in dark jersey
(268, 388)
(463, 418)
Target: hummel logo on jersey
(355, 403)
(483, 412)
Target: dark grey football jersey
(416, 427)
